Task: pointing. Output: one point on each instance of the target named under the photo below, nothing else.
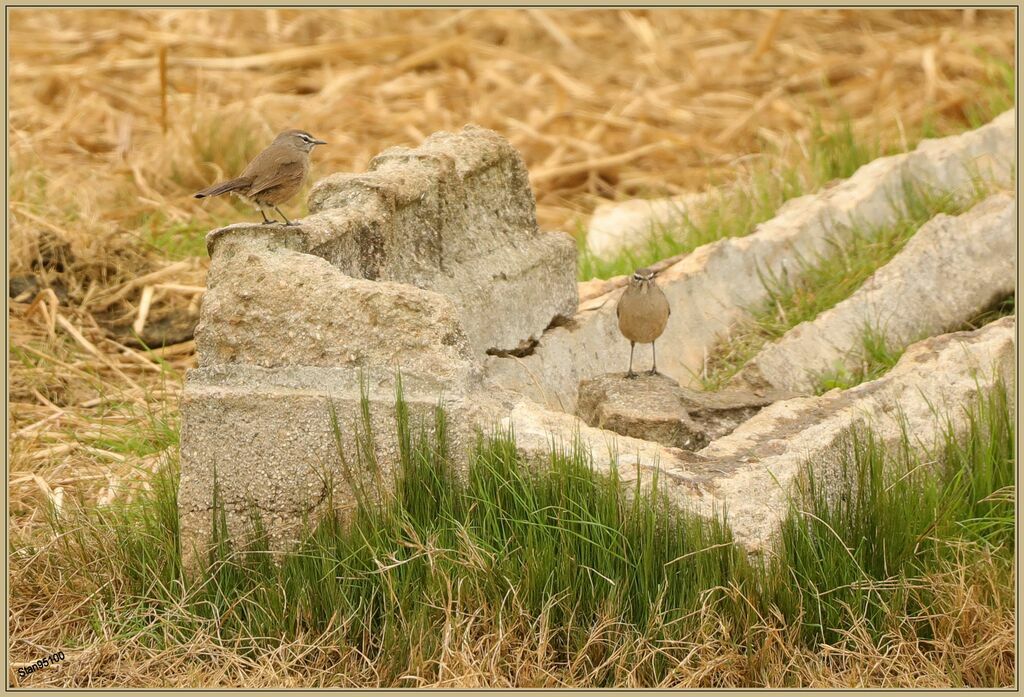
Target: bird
(273, 176)
(643, 312)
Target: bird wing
(273, 167)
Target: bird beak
(319, 142)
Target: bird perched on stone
(273, 176)
(643, 313)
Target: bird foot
(631, 375)
(292, 223)
(652, 371)
(270, 222)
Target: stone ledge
(657, 408)
(952, 269)
(272, 306)
(933, 381)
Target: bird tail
(224, 187)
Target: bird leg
(266, 220)
(631, 374)
(654, 358)
(286, 221)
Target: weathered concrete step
(294, 315)
(712, 288)
(267, 437)
(933, 382)
(455, 215)
(953, 269)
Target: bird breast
(643, 313)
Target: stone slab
(657, 408)
(930, 387)
(952, 269)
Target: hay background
(602, 104)
(105, 150)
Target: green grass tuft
(177, 241)
(838, 153)
(877, 357)
(999, 95)
(1002, 308)
(561, 545)
(857, 540)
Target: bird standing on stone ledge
(273, 176)
(643, 313)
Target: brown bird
(273, 176)
(643, 313)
